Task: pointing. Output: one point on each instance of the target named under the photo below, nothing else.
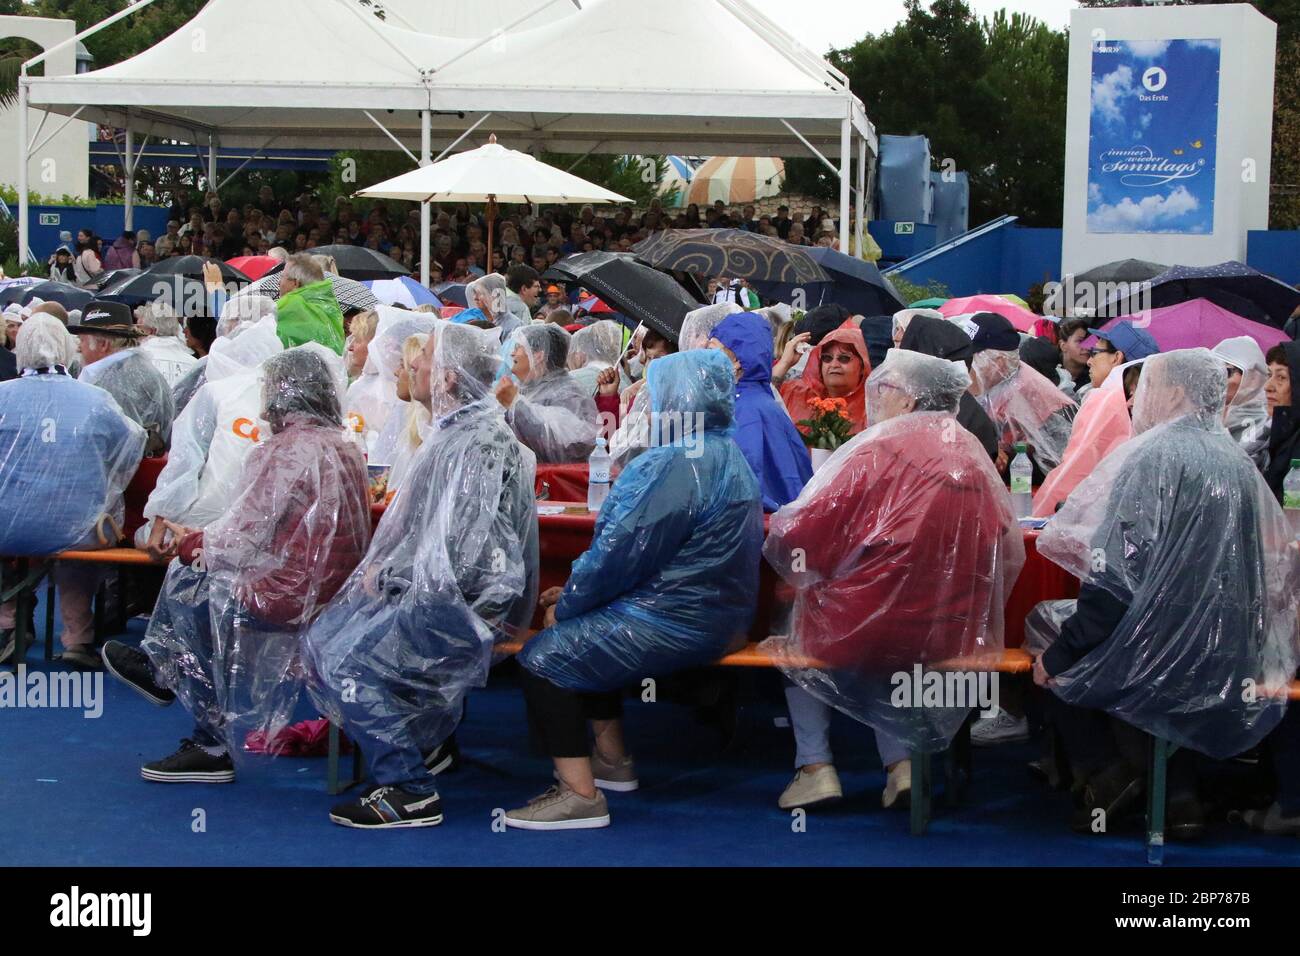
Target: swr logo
(245, 428)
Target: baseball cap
(552, 290)
(993, 331)
(1135, 343)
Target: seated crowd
(1161, 476)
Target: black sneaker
(444, 758)
(190, 764)
(389, 807)
(131, 666)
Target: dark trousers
(1094, 740)
(558, 717)
(1284, 745)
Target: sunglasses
(840, 358)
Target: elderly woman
(1246, 415)
(1189, 583)
(452, 570)
(67, 452)
(837, 368)
(593, 349)
(670, 582)
(226, 634)
(902, 550)
(548, 411)
(164, 346)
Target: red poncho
(798, 393)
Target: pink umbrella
(1017, 315)
(1197, 323)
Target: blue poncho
(764, 431)
(671, 579)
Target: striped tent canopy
(736, 180)
(677, 180)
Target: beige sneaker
(619, 777)
(898, 787)
(560, 808)
(808, 788)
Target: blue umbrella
(856, 284)
(403, 289)
(451, 293)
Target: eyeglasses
(840, 359)
(1092, 352)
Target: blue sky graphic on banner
(1154, 131)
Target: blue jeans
(811, 721)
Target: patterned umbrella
(733, 253)
(634, 289)
(351, 294)
(736, 180)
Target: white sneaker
(808, 788)
(898, 786)
(1002, 729)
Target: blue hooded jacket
(671, 579)
(765, 433)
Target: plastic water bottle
(597, 476)
(1022, 478)
(1291, 497)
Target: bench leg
(334, 784)
(922, 791)
(22, 604)
(957, 764)
(1160, 753)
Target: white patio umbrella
(491, 174)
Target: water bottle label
(1290, 500)
(1021, 484)
(599, 476)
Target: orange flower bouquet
(830, 425)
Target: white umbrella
(491, 174)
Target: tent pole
(491, 219)
(846, 184)
(23, 157)
(213, 185)
(860, 233)
(426, 151)
(128, 168)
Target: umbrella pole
(491, 221)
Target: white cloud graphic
(1094, 192)
(1148, 49)
(1144, 216)
(1110, 92)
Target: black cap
(102, 317)
(995, 332)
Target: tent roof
(456, 18)
(621, 76)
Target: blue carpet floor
(77, 782)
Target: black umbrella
(112, 277)
(173, 280)
(1231, 285)
(14, 293)
(1122, 270)
(358, 262)
(67, 295)
(636, 290)
(733, 253)
(855, 284)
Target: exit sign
(50, 219)
(904, 228)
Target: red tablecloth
(138, 491)
(562, 482)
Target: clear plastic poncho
(213, 436)
(394, 328)
(592, 350)
(67, 452)
(1179, 526)
(671, 578)
(141, 392)
(552, 414)
(1246, 416)
(1025, 406)
(902, 550)
(226, 635)
(698, 326)
(452, 570)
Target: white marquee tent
(617, 76)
